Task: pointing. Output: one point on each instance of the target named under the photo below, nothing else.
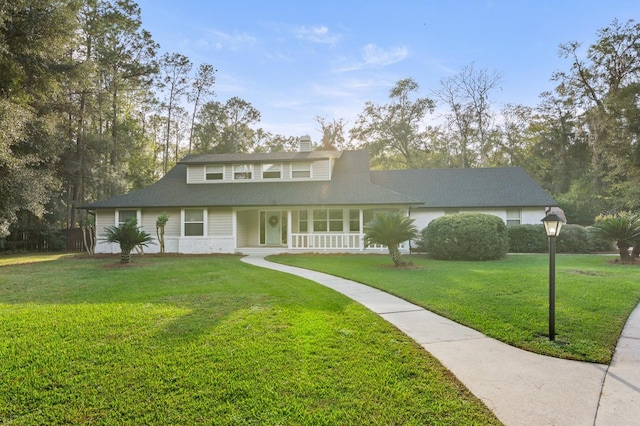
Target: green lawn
(205, 340)
(508, 299)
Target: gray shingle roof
(351, 184)
(463, 188)
(260, 157)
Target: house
(307, 201)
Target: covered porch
(305, 229)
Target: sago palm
(622, 228)
(390, 229)
(128, 236)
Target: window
(303, 221)
(194, 222)
(354, 220)
(271, 171)
(513, 217)
(125, 215)
(327, 220)
(300, 170)
(451, 211)
(214, 173)
(242, 171)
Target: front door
(273, 227)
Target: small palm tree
(623, 228)
(128, 235)
(390, 229)
(161, 222)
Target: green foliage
(574, 239)
(508, 299)
(206, 340)
(128, 236)
(161, 222)
(467, 236)
(622, 228)
(528, 239)
(390, 229)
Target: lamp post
(552, 225)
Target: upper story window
(271, 171)
(513, 217)
(214, 173)
(125, 215)
(300, 170)
(242, 172)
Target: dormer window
(300, 170)
(271, 171)
(214, 173)
(242, 172)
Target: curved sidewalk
(520, 387)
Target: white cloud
(379, 57)
(316, 34)
(222, 40)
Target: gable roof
(260, 157)
(463, 188)
(350, 184)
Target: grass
(508, 299)
(205, 339)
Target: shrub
(527, 239)
(574, 239)
(467, 236)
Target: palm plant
(161, 222)
(128, 236)
(390, 229)
(622, 228)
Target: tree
(622, 228)
(470, 117)
(128, 236)
(161, 222)
(332, 133)
(240, 115)
(175, 68)
(390, 229)
(395, 133)
(201, 87)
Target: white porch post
(361, 242)
(234, 228)
(289, 229)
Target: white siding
(320, 170)
(220, 222)
(195, 173)
(529, 215)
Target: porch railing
(333, 241)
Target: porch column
(361, 242)
(289, 222)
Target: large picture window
(194, 222)
(327, 220)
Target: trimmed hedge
(466, 236)
(572, 239)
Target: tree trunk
(125, 256)
(395, 255)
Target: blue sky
(294, 60)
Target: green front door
(273, 227)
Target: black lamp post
(552, 225)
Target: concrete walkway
(520, 387)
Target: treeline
(89, 108)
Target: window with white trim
(300, 170)
(327, 220)
(125, 215)
(214, 173)
(354, 220)
(271, 171)
(242, 172)
(514, 217)
(194, 222)
(303, 221)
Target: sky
(296, 60)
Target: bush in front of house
(528, 239)
(572, 239)
(466, 236)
